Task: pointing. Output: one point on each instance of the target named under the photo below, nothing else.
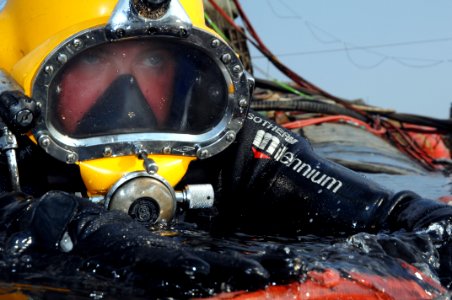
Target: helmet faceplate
(137, 84)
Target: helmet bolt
(62, 58)
(150, 166)
(215, 43)
(71, 158)
(44, 141)
(108, 152)
(183, 32)
(230, 137)
(243, 102)
(48, 69)
(77, 43)
(226, 58)
(203, 153)
(120, 32)
(24, 117)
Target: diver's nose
(123, 62)
(122, 57)
(121, 107)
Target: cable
(299, 104)
(274, 84)
(444, 126)
(368, 47)
(215, 27)
(310, 26)
(293, 16)
(334, 39)
(431, 62)
(334, 119)
(373, 123)
(407, 145)
(352, 61)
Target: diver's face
(92, 73)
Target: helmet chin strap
(121, 107)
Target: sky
(395, 54)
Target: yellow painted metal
(31, 30)
(100, 175)
(195, 10)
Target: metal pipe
(8, 145)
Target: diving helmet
(132, 91)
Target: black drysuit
(268, 181)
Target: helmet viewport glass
(138, 86)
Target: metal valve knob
(197, 196)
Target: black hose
(312, 106)
(444, 125)
(270, 85)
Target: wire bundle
(396, 127)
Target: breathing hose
(312, 106)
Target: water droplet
(26, 258)
(214, 92)
(115, 275)
(66, 244)
(418, 275)
(96, 295)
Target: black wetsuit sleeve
(272, 180)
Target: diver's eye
(153, 59)
(91, 58)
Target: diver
(119, 115)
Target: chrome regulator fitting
(17, 115)
(150, 199)
(8, 145)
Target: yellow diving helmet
(131, 90)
